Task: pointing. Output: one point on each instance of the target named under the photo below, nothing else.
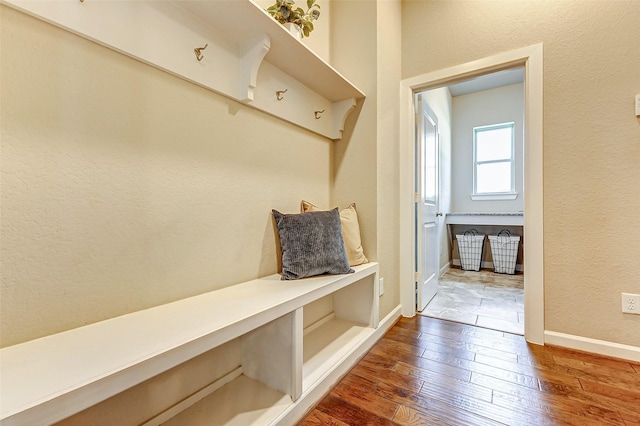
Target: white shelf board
(327, 345)
(286, 53)
(242, 402)
(515, 219)
(47, 379)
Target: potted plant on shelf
(285, 12)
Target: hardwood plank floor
(427, 371)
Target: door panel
(427, 188)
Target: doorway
(481, 156)
(531, 59)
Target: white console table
(484, 223)
(505, 219)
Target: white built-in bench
(282, 362)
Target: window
(494, 162)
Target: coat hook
(81, 1)
(279, 94)
(317, 113)
(199, 50)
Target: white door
(427, 214)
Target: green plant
(284, 11)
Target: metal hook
(317, 113)
(81, 1)
(199, 50)
(279, 94)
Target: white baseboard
(311, 397)
(585, 344)
(445, 268)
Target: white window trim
(490, 196)
(495, 196)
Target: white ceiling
(489, 81)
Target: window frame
(508, 195)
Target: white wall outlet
(631, 303)
(381, 286)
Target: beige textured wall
(591, 139)
(365, 160)
(354, 156)
(389, 41)
(124, 187)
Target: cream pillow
(350, 232)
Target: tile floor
(482, 298)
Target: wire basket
(470, 245)
(504, 250)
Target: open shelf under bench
(327, 345)
(51, 378)
(242, 402)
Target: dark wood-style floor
(427, 371)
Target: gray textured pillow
(311, 244)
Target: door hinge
(416, 276)
(416, 197)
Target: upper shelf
(247, 55)
(286, 53)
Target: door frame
(531, 58)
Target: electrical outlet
(381, 286)
(631, 303)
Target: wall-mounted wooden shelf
(505, 219)
(248, 58)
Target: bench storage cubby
(276, 363)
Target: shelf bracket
(341, 111)
(252, 55)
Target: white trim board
(594, 346)
(531, 58)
